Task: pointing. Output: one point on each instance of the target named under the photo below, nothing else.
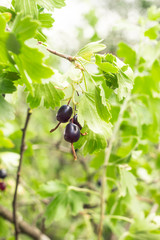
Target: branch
(67, 57)
(24, 227)
(107, 154)
(22, 149)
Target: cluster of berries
(72, 130)
(3, 175)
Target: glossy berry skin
(2, 186)
(3, 173)
(64, 113)
(71, 133)
(75, 121)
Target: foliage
(99, 86)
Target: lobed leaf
(102, 105)
(24, 27)
(28, 7)
(51, 4)
(47, 93)
(128, 182)
(88, 50)
(6, 110)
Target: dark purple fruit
(99, 182)
(75, 121)
(71, 133)
(2, 186)
(3, 173)
(64, 113)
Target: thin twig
(22, 149)
(107, 156)
(65, 56)
(86, 190)
(68, 57)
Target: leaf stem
(84, 190)
(107, 156)
(121, 218)
(22, 149)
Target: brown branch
(69, 58)
(24, 227)
(65, 56)
(22, 149)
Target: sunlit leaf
(6, 110)
(46, 93)
(128, 182)
(88, 51)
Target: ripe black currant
(2, 186)
(64, 113)
(99, 182)
(71, 133)
(75, 121)
(3, 173)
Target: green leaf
(153, 13)
(111, 80)
(102, 105)
(65, 199)
(62, 203)
(152, 32)
(148, 84)
(155, 71)
(46, 20)
(98, 160)
(5, 142)
(127, 183)
(3, 36)
(52, 187)
(31, 66)
(51, 4)
(8, 13)
(24, 28)
(27, 7)
(47, 93)
(76, 200)
(6, 82)
(125, 84)
(87, 113)
(6, 110)
(88, 50)
(57, 209)
(144, 228)
(105, 66)
(110, 58)
(13, 44)
(126, 52)
(94, 143)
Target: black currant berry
(2, 186)
(75, 121)
(71, 133)
(64, 113)
(3, 173)
(99, 182)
